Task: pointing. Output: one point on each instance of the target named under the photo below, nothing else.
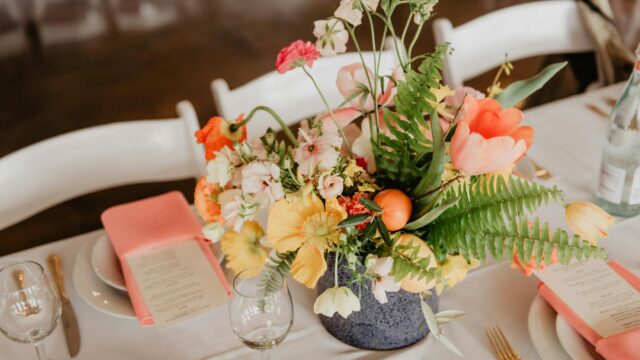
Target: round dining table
(569, 136)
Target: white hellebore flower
(221, 168)
(213, 231)
(385, 282)
(263, 179)
(235, 208)
(331, 35)
(347, 12)
(330, 186)
(337, 299)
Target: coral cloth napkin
(623, 346)
(157, 221)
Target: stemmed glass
(260, 315)
(29, 305)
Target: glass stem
(42, 354)
(265, 355)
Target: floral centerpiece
(406, 185)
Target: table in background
(569, 141)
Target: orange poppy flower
(217, 134)
(205, 200)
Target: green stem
(335, 270)
(415, 38)
(276, 117)
(406, 28)
(326, 104)
(374, 89)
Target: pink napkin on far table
(623, 346)
(156, 221)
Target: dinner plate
(106, 265)
(542, 330)
(574, 344)
(94, 291)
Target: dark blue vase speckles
(376, 326)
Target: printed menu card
(176, 282)
(602, 298)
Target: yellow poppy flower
(243, 249)
(302, 222)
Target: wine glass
(29, 305)
(261, 310)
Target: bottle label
(611, 183)
(634, 196)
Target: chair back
(80, 162)
(292, 95)
(520, 31)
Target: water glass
(261, 309)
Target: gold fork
(501, 346)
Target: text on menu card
(597, 294)
(176, 282)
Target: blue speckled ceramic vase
(376, 326)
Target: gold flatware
(68, 316)
(500, 345)
(596, 109)
(29, 309)
(541, 172)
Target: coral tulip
(488, 137)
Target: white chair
(521, 31)
(87, 160)
(12, 35)
(62, 21)
(142, 15)
(292, 94)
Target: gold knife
(68, 317)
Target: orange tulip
(217, 134)
(205, 200)
(488, 138)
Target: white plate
(106, 265)
(574, 344)
(95, 292)
(542, 330)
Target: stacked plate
(98, 279)
(554, 338)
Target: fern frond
(492, 197)
(529, 241)
(278, 265)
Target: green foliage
(490, 215)
(278, 265)
(403, 158)
(520, 90)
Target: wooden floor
(142, 75)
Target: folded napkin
(623, 346)
(157, 221)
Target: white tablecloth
(569, 140)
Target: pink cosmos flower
(319, 152)
(488, 138)
(299, 53)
